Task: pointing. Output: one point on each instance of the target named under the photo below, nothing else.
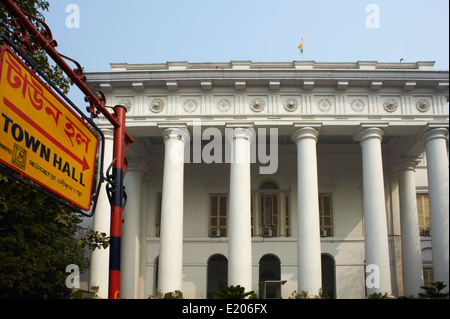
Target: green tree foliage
(177, 294)
(39, 57)
(434, 291)
(305, 295)
(37, 242)
(38, 239)
(379, 295)
(234, 292)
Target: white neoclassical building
(280, 177)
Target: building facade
(279, 177)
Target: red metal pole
(116, 203)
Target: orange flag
(300, 47)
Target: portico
(328, 197)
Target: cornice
(242, 74)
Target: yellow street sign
(41, 137)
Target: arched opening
(269, 184)
(269, 277)
(329, 275)
(217, 274)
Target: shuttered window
(423, 210)
(218, 215)
(326, 214)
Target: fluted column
(99, 268)
(171, 236)
(130, 245)
(239, 222)
(375, 222)
(438, 177)
(409, 222)
(309, 251)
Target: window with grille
(428, 276)
(423, 210)
(326, 215)
(218, 215)
(269, 208)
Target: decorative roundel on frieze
(126, 103)
(423, 105)
(390, 105)
(291, 104)
(223, 105)
(156, 105)
(324, 105)
(257, 104)
(190, 106)
(357, 105)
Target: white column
(171, 236)
(378, 277)
(309, 251)
(239, 221)
(130, 245)
(99, 268)
(437, 160)
(409, 221)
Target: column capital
(180, 133)
(432, 133)
(245, 132)
(137, 165)
(407, 163)
(108, 133)
(305, 132)
(368, 132)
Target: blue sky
(149, 31)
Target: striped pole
(116, 203)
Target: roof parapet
(295, 65)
